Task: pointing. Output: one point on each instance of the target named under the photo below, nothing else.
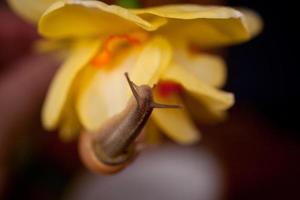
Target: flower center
(114, 44)
(168, 88)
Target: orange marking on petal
(109, 47)
(167, 88)
(102, 59)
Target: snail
(112, 147)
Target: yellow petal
(209, 68)
(60, 50)
(81, 54)
(152, 134)
(103, 92)
(90, 18)
(207, 26)
(176, 123)
(212, 97)
(202, 113)
(49, 46)
(153, 60)
(69, 127)
(30, 10)
(252, 20)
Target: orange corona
(110, 46)
(167, 88)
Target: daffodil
(153, 46)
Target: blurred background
(253, 155)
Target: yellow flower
(151, 44)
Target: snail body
(111, 148)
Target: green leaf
(128, 3)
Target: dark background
(264, 72)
